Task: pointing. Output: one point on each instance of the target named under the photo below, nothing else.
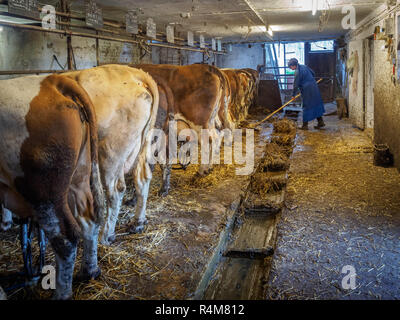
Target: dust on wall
(387, 104)
(181, 57)
(356, 84)
(243, 56)
(33, 50)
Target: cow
(49, 168)
(198, 93)
(126, 101)
(235, 101)
(255, 85)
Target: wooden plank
(256, 233)
(222, 244)
(253, 254)
(241, 278)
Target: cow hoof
(163, 193)
(111, 239)
(61, 297)
(132, 202)
(85, 276)
(107, 241)
(137, 227)
(5, 226)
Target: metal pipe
(109, 23)
(94, 36)
(11, 72)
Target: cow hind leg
(166, 180)
(64, 249)
(142, 178)
(115, 194)
(89, 268)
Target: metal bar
(12, 72)
(278, 68)
(94, 36)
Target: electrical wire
(58, 62)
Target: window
(322, 46)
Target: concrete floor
(341, 210)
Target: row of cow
(67, 141)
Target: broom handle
(284, 106)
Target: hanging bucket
(382, 156)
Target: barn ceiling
(235, 20)
(238, 20)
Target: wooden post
(97, 50)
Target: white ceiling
(233, 20)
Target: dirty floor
(341, 211)
(168, 260)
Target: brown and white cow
(198, 94)
(235, 101)
(255, 83)
(244, 86)
(49, 167)
(126, 103)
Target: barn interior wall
(356, 84)
(381, 96)
(387, 104)
(32, 50)
(243, 56)
(179, 57)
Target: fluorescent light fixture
(266, 29)
(314, 7)
(1, 28)
(262, 28)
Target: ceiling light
(262, 28)
(314, 7)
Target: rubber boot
(305, 126)
(321, 124)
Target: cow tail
(143, 171)
(81, 98)
(170, 100)
(95, 178)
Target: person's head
(293, 64)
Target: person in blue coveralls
(313, 106)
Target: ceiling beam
(254, 10)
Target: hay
(218, 174)
(285, 140)
(284, 133)
(285, 126)
(276, 159)
(263, 184)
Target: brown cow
(255, 85)
(197, 92)
(49, 167)
(235, 101)
(126, 101)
